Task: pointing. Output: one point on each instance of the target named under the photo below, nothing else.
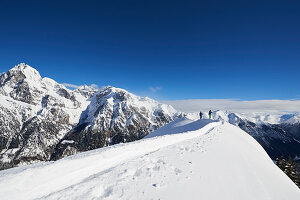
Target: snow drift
(212, 160)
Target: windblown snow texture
(185, 159)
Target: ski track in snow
(39, 180)
(150, 167)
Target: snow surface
(205, 160)
(180, 125)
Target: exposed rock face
(41, 119)
(35, 113)
(114, 116)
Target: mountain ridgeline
(42, 120)
(282, 139)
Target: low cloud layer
(95, 86)
(270, 106)
(155, 89)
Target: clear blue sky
(189, 49)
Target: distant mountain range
(42, 120)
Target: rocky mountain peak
(117, 94)
(293, 119)
(19, 74)
(22, 83)
(86, 91)
(27, 71)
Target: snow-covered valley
(206, 159)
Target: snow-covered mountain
(35, 113)
(113, 116)
(278, 134)
(185, 159)
(40, 118)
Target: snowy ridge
(113, 98)
(42, 120)
(291, 119)
(217, 161)
(113, 116)
(181, 125)
(279, 138)
(260, 129)
(254, 117)
(38, 114)
(86, 91)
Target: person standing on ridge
(200, 114)
(209, 114)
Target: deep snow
(205, 160)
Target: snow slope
(208, 160)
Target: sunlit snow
(205, 159)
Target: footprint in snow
(177, 171)
(137, 173)
(156, 168)
(160, 161)
(159, 185)
(108, 191)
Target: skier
(200, 114)
(209, 113)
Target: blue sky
(163, 49)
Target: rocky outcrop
(35, 114)
(114, 116)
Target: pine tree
(280, 162)
(289, 168)
(297, 177)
